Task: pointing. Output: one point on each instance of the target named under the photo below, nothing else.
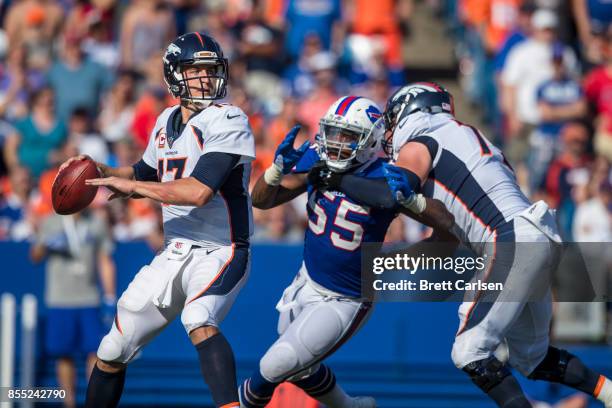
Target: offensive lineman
(454, 163)
(323, 307)
(197, 163)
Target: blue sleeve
(307, 161)
(212, 169)
(144, 172)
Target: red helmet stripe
(199, 38)
(345, 105)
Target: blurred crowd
(85, 76)
(540, 73)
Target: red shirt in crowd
(598, 90)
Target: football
(69, 193)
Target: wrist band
(417, 204)
(273, 175)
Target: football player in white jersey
(445, 159)
(197, 164)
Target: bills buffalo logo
(373, 113)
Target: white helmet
(351, 133)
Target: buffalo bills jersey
(337, 226)
(227, 218)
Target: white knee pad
(197, 314)
(113, 348)
(280, 360)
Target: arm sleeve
(371, 192)
(144, 172)
(212, 169)
(374, 192)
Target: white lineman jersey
(469, 175)
(227, 218)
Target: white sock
(603, 391)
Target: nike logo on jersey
(209, 251)
(231, 117)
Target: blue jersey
(337, 226)
(557, 93)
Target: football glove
(401, 189)
(285, 157)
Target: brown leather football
(69, 193)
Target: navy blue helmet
(196, 49)
(427, 97)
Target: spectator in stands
(528, 65)
(520, 33)
(75, 247)
(151, 103)
(591, 17)
(377, 89)
(281, 124)
(377, 27)
(38, 137)
(98, 46)
(146, 28)
(117, 110)
(15, 223)
(305, 17)
(14, 85)
(299, 75)
(314, 106)
(560, 100)
(260, 45)
(85, 13)
(598, 90)
(569, 170)
(77, 82)
(34, 24)
(592, 220)
(82, 135)
(213, 20)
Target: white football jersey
(469, 174)
(227, 218)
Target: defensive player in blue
(324, 306)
